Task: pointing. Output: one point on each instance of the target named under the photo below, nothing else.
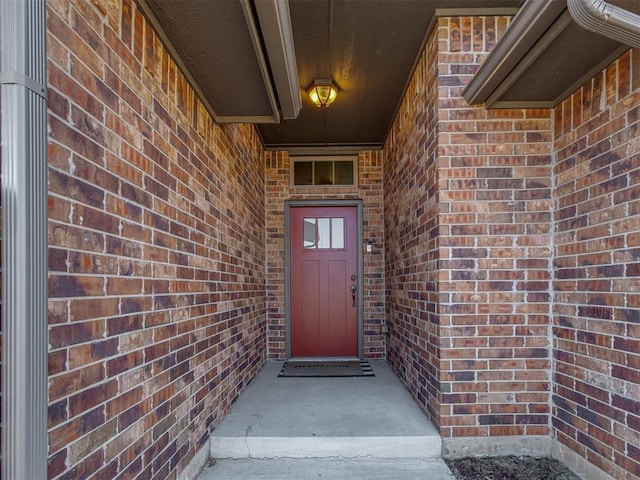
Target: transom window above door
(323, 171)
(323, 233)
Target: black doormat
(326, 368)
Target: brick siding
(495, 249)
(596, 391)
(472, 259)
(157, 274)
(369, 190)
(468, 281)
(506, 253)
(412, 238)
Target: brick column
(468, 203)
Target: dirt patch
(510, 468)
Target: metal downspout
(609, 20)
(23, 80)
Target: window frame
(321, 158)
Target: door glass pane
(309, 225)
(324, 233)
(303, 173)
(344, 173)
(337, 233)
(324, 173)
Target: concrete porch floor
(334, 428)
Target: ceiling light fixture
(322, 92)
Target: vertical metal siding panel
(24, 246)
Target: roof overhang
(237, 55)
(543, 57)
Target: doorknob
(353, 296)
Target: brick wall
(469, 260)
(369, 190)
(596, 394)
(495, 249)
(157, 277)
(412, 237)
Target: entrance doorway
(324, 281)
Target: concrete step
(371, 417)
(328, 469)
(382, 447)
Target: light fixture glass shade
(322, 93)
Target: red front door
(324, 287)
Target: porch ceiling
(234, 53)
(369, 48)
